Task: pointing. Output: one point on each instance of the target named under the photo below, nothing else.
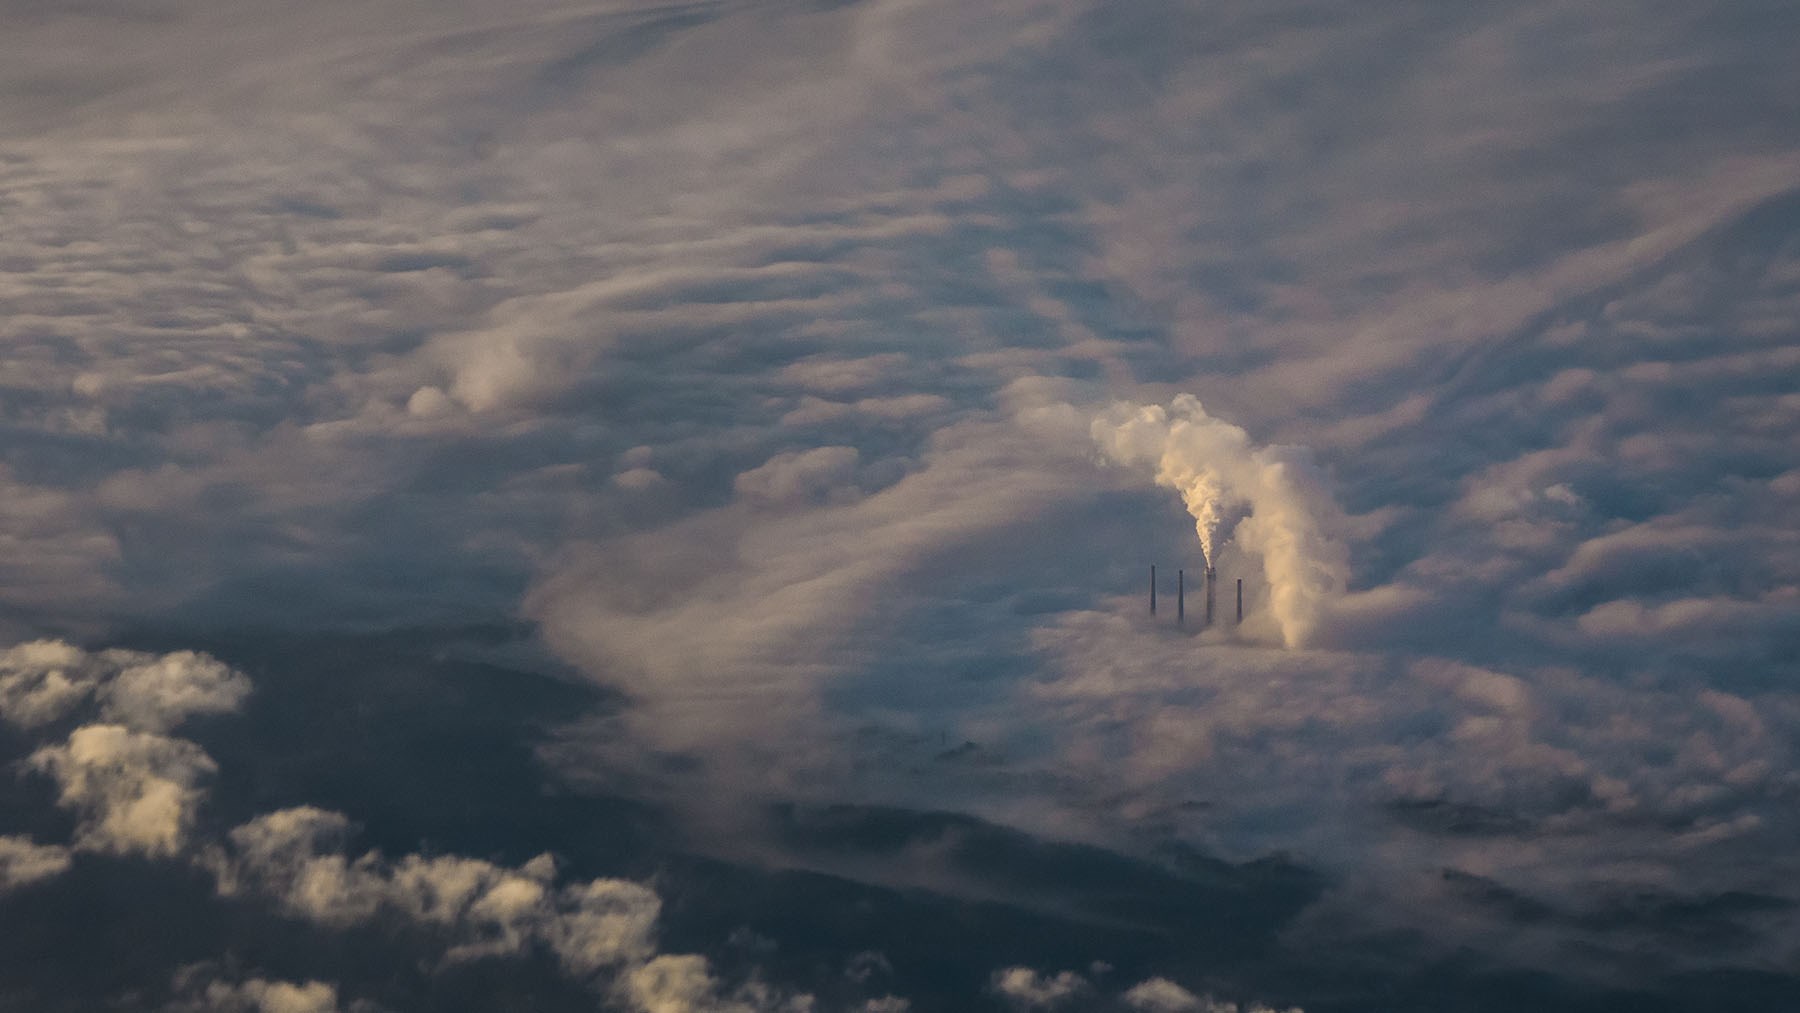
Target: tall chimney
(1240, 599)
(1181, 597)
(1152, 588)
(1210, 574)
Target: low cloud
(799, 477)
(45, 680)
(256, 995)
(747, 611)
(137, 792)
(1026, 989)
(602, 932)
(294, 857)
(23, 862)
(134, 792)
(1160, 995)
(132, 788)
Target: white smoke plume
(1270, 501)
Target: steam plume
(1270, 500)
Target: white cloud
(158, 693)
(133, 791)
(1160, 995)
(295, 857)
(1027, 989)
(257, 995)
(45, 680)
(601, 931)
(23, 861)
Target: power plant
(1211, 578)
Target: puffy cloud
(295, 857)
(157, 693)
(133, 789)
(601, 931)
(257, 995)
(1027, 989)
(1160, 995)
(45, 680)
(135, 792)
(23, 861)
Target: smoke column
(1270, 500)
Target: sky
(650, 506)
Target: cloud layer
(817, 376)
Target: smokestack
(1152, 588)
(1181, 597)
(1240, 599)
(1210, 575)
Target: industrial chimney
(1211, 574)
(1181, 597)
(1240, 617)
(1152, 588)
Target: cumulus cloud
(134, 792)
(683, 983)
(44, 680)
(1025, 988)
(255, 995)
(602, 931)
(41, 681)
(133, 788)
(22, 861)
(1160, 995)
(137, 791)
(157, 693)
(294, 857)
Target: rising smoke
(1270, 501)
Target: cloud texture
(823, 378)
